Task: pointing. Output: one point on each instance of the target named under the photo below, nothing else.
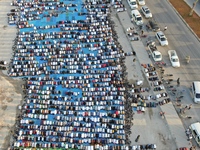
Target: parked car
(133, 4)
(146, 12)
(136, 17)
(153, 25)
(156, 55)
(161, 38)
(196, 94)
(141, 2)
(173, 57)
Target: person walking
(142, 32)
(136, 140)
(165, 28)
(178, 81)
(161, 113)
(190, 106)
(184, 110)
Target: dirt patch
(2, 97)
(15, 82)
(183, 9)
(9, 99)
(4, 107)
(7, 144)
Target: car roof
(145, 7)
(160, 33)
(173, 53)
(174, 56)
(196, 127)
(135, 11)
(172, 50)
(157, 52)
(197, 85)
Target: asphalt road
(182, 40)
(185, 43)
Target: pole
(192, 9)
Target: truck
(153, 51)
(195, 131)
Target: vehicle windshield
(197, 95)
(147, 12)
(139, 18)
(141, 0)
(198, 139)
(175, 60)
(163, 39)
(133, 3)
(157, 56)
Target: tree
(192, 9)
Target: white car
(141, 2)
(146, 12)
(136, 17)
(161, 38)
(174, 58)
(133, 4)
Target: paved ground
(168, 133)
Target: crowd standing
(75, 78)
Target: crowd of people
(74, 91)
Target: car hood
(176, 64)
(164, 42)
(149, 15)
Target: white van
(195, 130)
(136, 17)
(196, 91)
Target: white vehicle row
(136, 17)
(134, 4)
(135, 14)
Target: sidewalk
(173, 121)
(197, 8)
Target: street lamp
(192, 9)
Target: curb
(184, 21)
